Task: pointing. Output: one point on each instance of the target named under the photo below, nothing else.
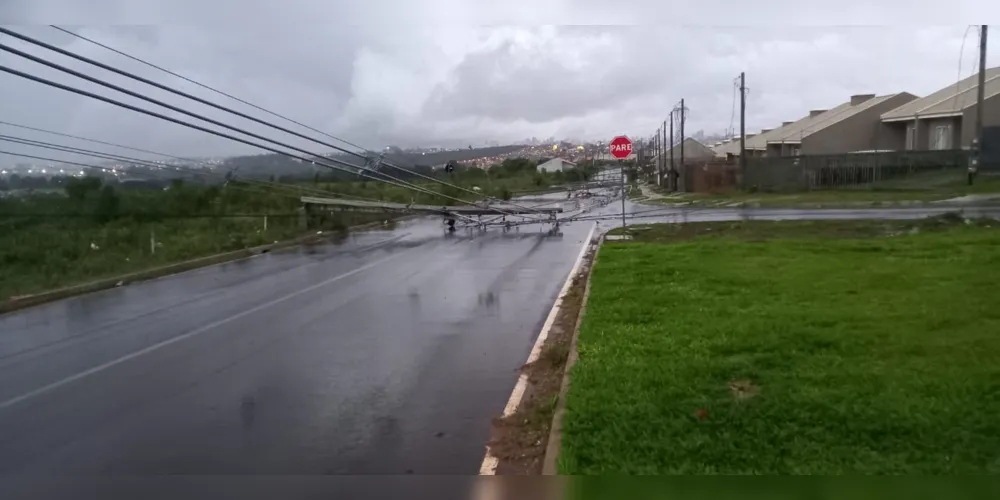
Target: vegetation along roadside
(790, 347)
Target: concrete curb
(25, 301)
(550, 463)
(490, 461)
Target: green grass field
(790, 348)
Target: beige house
(852, 126)
(945, 119)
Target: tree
(78, 189)
(107, 205)
(540, 180)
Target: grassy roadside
(82, 253)
(884, 195)
(520, 440)
(790, 347)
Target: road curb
(550, 462)
(490, 461)
(25, 301)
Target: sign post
(620, 148)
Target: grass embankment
(922, 190)
(790, 347)
(51, 241)
(85, 229)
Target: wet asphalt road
(388, 352)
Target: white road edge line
(490, 462)
(99, 368)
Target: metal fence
(710, 176)
(990, 160)
(894, 169)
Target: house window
(794, 151)
(941, 137)
(911, 138)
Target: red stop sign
(620, 147)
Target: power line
(148, 82)
(214, 105)
(174, 167)
(961, 52)
(391, 180)
(95, 141)
(137, 95)
(108, 156)
(55, 215)
(248, 189)
(207, 87)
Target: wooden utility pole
(663, 156)
(670, 145)
(977, 138)
(743, 128)
(656, 153)
(622, 165)
(682, 136)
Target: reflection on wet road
(387, 352)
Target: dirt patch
(519, 441)
(743, 389)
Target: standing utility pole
(743, 128)
(663, 155)
(682, 136)
(671, 146)
(977, 138)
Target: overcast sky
(415, 72)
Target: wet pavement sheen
(387, 352)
